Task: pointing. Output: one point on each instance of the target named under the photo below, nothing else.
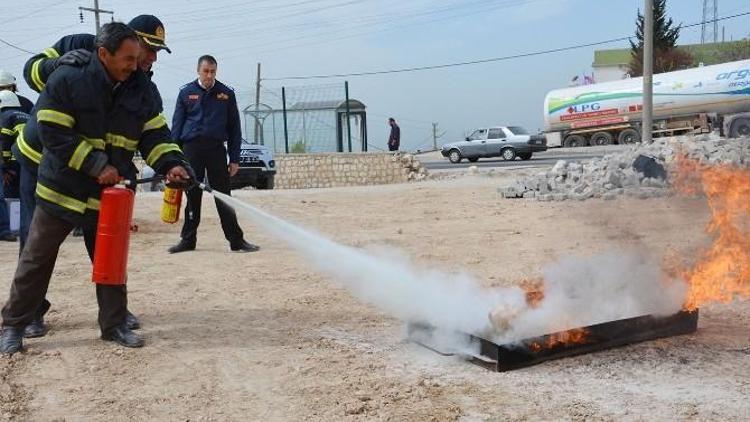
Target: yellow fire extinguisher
(170, 209)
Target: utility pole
(435, 135)
(710, 24)
(97, 11)
(257, 105)
(648, 71)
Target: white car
(508, 142)
(257, 168)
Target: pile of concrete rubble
(641, 171)
(413, 168)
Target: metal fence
(319, 118)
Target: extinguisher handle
(133, 182)
(181, 185)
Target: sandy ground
(264, 337)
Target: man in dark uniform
(91, 121)
(73, 50)
(205, 117)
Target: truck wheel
(526, 156)
(602, 138)
(573, 141)
(454, 156)
(509, 154)
(740, 128)
(265, 182)
(628, 136)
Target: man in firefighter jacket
(91, 121)
(8, 83)
(76, 50)
(12, 121)
(72, 50)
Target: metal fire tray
(531, 351)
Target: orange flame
(574, 336)
(534, 289)
(722, 273)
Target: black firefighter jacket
(86, 122)
(37, 69)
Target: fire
(534, 289)
(574, 336)
(722, 272)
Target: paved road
(541, 159)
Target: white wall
(609, 73)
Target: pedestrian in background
(394, 141)
(205, 117)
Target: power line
(481, 61)
(15, 46)
(45, 8)
(484, 6)
(377, 22)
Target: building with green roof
(613, 64)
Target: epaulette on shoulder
(185, 86)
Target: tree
(667, 57)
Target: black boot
(123, 336)
(11, 340)
(37, 327)
(131, 321)
(183, 246)
(242, 246)
(8, 237)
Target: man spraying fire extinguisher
(91, 120)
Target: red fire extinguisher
(113, 236)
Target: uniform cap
(150, 29)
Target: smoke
(583, 291)
(577, 291)
(452, 302)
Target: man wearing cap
(75, 50)
(92, 120)
(12, 120)
(8, 82)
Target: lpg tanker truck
(687, 101)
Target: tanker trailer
(687, 101)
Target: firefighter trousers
(34, 271)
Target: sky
(323, 37)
